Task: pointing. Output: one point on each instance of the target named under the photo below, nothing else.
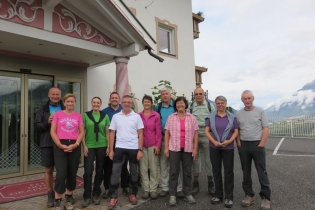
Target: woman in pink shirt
(181, 145)
(67, 131)
(152, 135)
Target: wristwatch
(140, 149)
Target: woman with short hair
(67, 131)
(221, 130)
(181, 146)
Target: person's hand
(217, 144)
(107, 151)
(63, 147)
(194, 154)
(85, 151)
(261, 145)
(238, 144)
(111, 155)
(156, 150)
(166, 152)
(225, 143)
(139, 155)
(51, 117)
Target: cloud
(266, 46)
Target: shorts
(47, 157)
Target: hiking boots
(96, 200)
(68, 202)
(50, 199)
(133, 199)
(190, 199)
(145, 195)
(57, 204)
(154, 195)
(248, 201)
(211, 187)
(228, 203)
(164, 193)
(172, 200)
(112, 203)
(195, 189)
(106, 194)
(180, 194)
(86, 203)
(126, 191)
(265, 204)
(216, 200)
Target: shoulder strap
(209, 106)
(159, 109)
(191, 107)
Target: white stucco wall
(144, 70)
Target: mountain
(302, 102)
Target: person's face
(165, 96)
(199, 95)
(221, 105)
(54, 95)
(70, 103)
(147, 104)
(180, 106)
(114, 100)
(96, 104)
(126, 104)
(248, 100)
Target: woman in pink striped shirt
(181, 145)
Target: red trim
(42, 58)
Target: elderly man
(251, 141)
(42, 123)
(129, 143)
(201, 108)
(165, 108)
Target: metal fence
(300, 126)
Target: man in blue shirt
(114, 108)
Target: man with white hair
(252, 138)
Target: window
(166, 38)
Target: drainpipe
(154, 55)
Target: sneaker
(154, 195)
(190, 199)
(216, 200)
(50, 199)
(57, 204)
(228, 203)
(86, 203)
(211, 187)
(96, 200)
(69, 201)
(195, 189)
(180, 194)
(248, 201)
(112, 203)
(106, 194)
(133, 199)
(126, 191)
(172, 200)
(265, 204)
(145, 195)
(163, 193)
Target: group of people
(167, 138)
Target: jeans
(227, 157)
(250, 151)
(97, 154)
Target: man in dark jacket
(42, 123)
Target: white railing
(299, 126)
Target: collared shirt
(201, 112)
(173, 126)
(165, 113)
(126, 127)
(152, 134)
(110, 111)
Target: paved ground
(291, 169)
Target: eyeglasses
(222, 103)
(126, 102)
(198, 94)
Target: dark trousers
(67, 164)
(175, 159)
(217, 156)
(124, 177)
(120, 156)
(97, 154)
(250, 151)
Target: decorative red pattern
(26, 12)
(67, 23)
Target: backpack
(96, 128)
(192, 106)
(159, 109)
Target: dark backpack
(159, 109)
(96, 129)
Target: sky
(266, 46)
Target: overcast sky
(266, 46)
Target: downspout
(154, 55)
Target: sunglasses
(198, 94)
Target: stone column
(122, 82)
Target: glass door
(11, 129)
(36, 93)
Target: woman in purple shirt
(222, 130)
(152, 135)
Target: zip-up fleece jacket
(152, 131)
